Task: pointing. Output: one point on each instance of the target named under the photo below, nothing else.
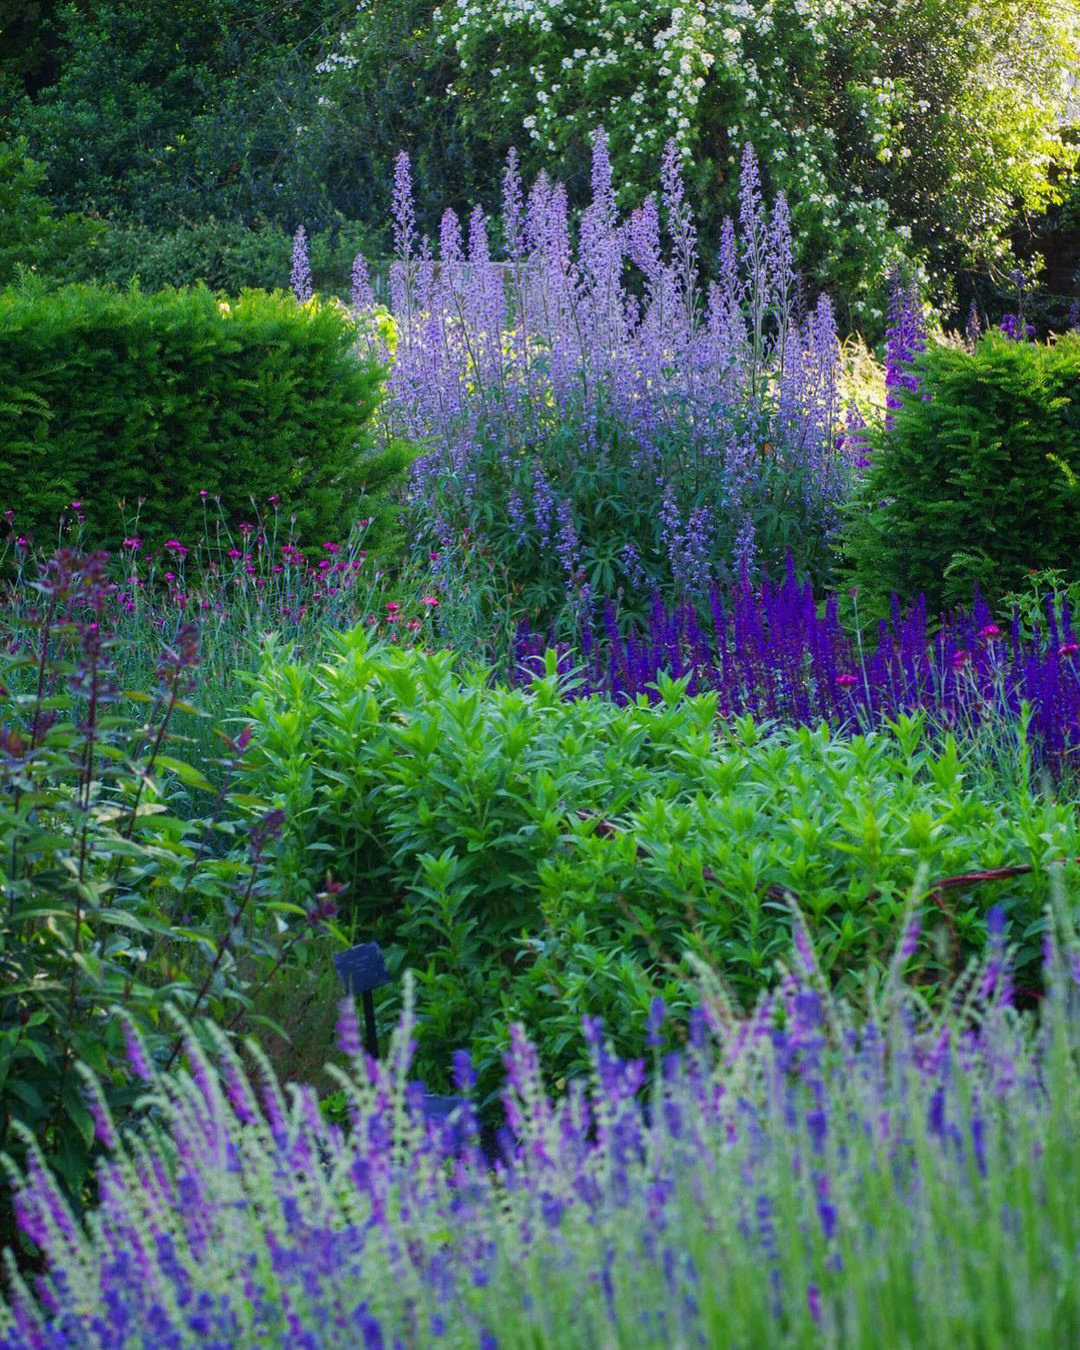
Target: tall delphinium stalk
(905, 1171)
(904, 339)
(363, 297)
(300, 276)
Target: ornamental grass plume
(793, 1176)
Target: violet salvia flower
(300, 276)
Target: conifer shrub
(973, 479)
(147, 400)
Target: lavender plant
(797, 1176)
(592, 415)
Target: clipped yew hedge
(113, 397)
(978, 478)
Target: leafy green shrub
(30, 233)
(1044, 593)
(974, 481)
(114, 888)
(191, 111)
(148, 399)
(538, 858)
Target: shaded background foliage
(231, 117)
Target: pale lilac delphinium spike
(755, 243)
(363, 297)
(484, 384)
(513, 212)
(451, 253)
(781, 267)
(300, 276)
(403, 211)
(681, 230)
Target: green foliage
(148, 399)
(1045, 591)
(971, 484)
(539, 858)
(190, 111)
(30, 233)
(225, 255)
(116, 889)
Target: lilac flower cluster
(900, 1157)
(904, 339)
(714, 390)
(771, 652)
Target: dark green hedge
(975, 481)
(225, 255)
(108, 397)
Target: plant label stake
(363, 970)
